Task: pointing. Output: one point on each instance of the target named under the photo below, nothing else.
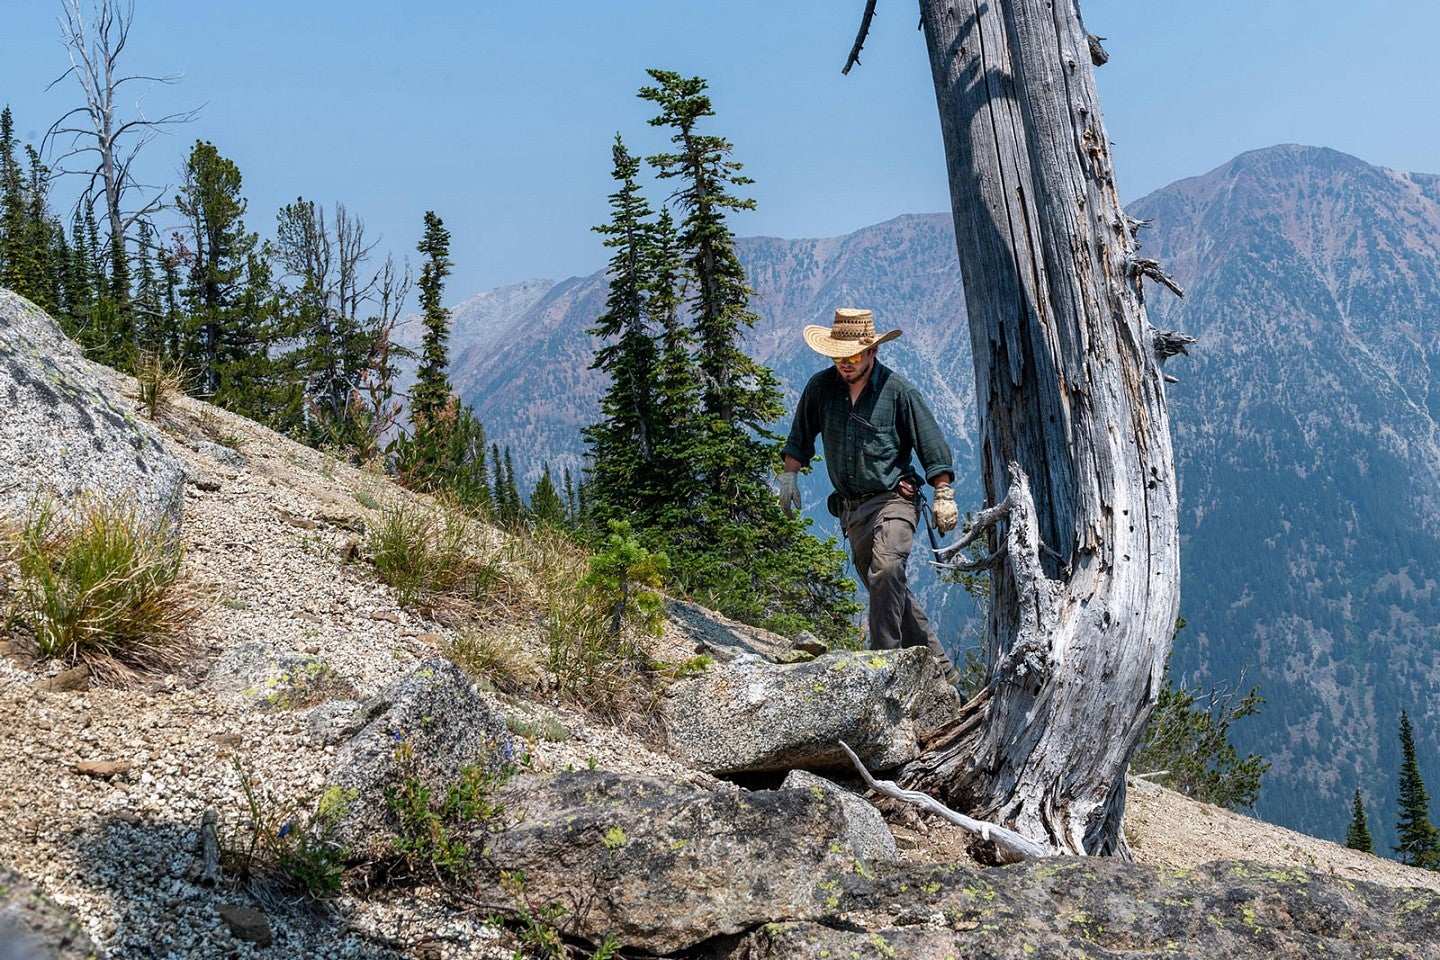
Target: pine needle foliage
(1357, 831)
(684, 451)
(1419, 841)
(1188, 740)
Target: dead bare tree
(348, 312)
(98, 129)
(1075, 436)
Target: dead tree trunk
(1075, 450)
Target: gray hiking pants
(881, 532)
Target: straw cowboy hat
(852, 332)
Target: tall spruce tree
(546, 507)
(624, 471)
(1419, 841)
(736, 389)
(228, 290)
(714, 513)
(12, 205)
(432, 387)
(1357, 831)
(678, 414)
(27, 231)
(446, 447)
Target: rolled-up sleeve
(929, 442)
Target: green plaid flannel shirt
(868, 446)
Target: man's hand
(790, 493)
(946, 513)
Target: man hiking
(872, 420)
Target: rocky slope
(104, 792)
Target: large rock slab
(33, 927)
(662, 865)
(751, 715)
(868, 832)
(1105, 910)
(427, 725)
(67, 430)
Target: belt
(854, 503)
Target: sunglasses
(850, 360)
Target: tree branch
(854, 57)
(1145, 267)
(1019, 847)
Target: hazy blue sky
(500, 115)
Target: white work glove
(946, 513)
(790, 493)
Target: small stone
(68, 681)
(102, 769)
(807, 642)
(246, 923)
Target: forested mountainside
(1305, 427)
(1305, 424)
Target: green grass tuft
(102, 587)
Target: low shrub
(434, 827)
(596, 611)
(281, 841)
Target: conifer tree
(1357, 832)
(683, 451)
(572, 506)
(623, 443)
(513, 507)
(432, 387)
(446, 448)
(340, 314)
(81, 295)
(1419, 840)
(678, 414)
(226, 283)
(736, 389)
(546, 507)
(12, 204)
(500, 495)
(27, 232)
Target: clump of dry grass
(101, 587)
(159, 379)
(501, 656)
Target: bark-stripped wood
(1075, 437)
(860, 36)
(1012, 845)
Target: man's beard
(858, 373)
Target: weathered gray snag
(1075, 437)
